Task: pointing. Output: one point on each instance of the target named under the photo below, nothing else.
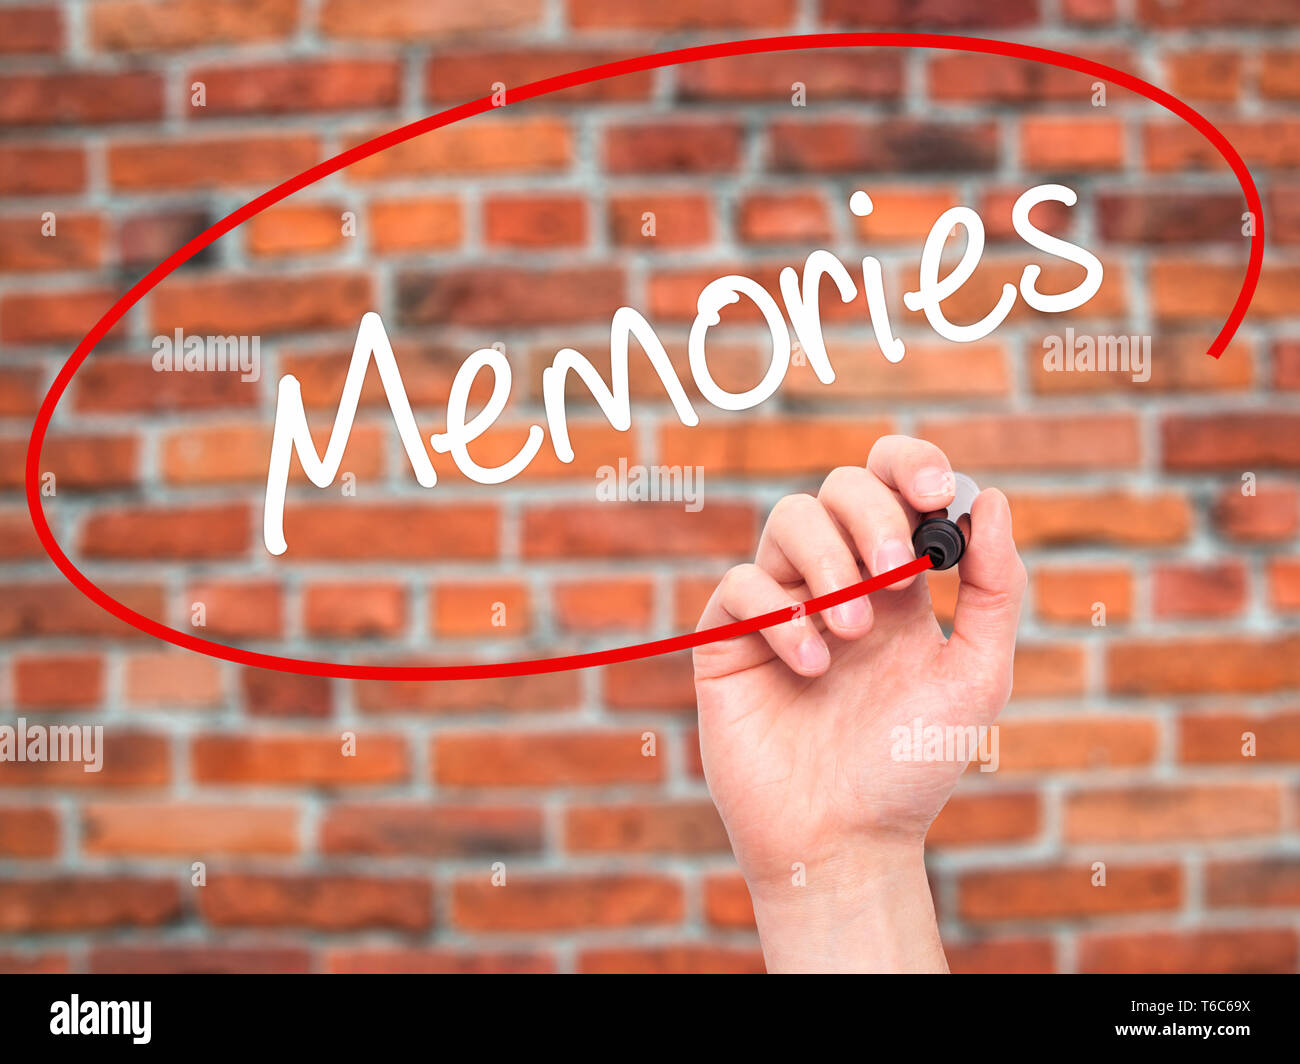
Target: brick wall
(1122, 743)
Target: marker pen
(939, 534)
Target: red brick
(79, 462)
(498, 609)
(1284, 584)
(1262, 142)
(295, 229)
(238, 609)
(41, 169)
(212, 531)
(681, 14)
(322, 903)
(1202, 666)
(1019, 956)
(416, 961)
(122, 384)
(528, 694)
(950, 14)
(145, 238)
(298, 759)
(405, 21)
(168, 959)
(678, 827)
(1198, 13)
(685, 959)
(1255, 882)
(539, 221)
(45, 609)
(1205, 291)
(882, 146)
(188, 830)
(1067, 595)
(395, 531)
(77, 243)
(173, 680)
(784, 218)
(665, 682)
(1220, 738)
(84, 903)
(1108, 517)
(31, 30)
(391, 829)
(1177, 364)
(58, 681)
(1244, 949)
(209, 162)
(143, 26)
(603, 605)
(470, 74)
(69, 98)
(1231, 441)
(1277, 76)
(52, 317)
(973, 77)
(297, 87)
(21, 391)
(1164, 813)
(257, 305)
(415, 224)
(640, 530)
(1170, 217)
(670, 147)
(286, 694)
(680, 220)
(1038, 441)
(354, 610)
(533, 903)
(726, 902)
(1091, 741)
(509, 297)
(972, 819)
(543, 759)
(29, 831)
(1199, 590)
(762, 447)
(128, 759)
(1066, 891)
(827, 74)
(532, 145)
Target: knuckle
(840, 480)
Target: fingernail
(851, 614)
(934, 483)
(890, 555)
(812, 654)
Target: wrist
(866, 909)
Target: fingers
(746, 592)
(917, 470)
(988, 601)
(873, 517)
(802, 544)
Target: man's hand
(796, 720)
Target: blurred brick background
(1122, 743)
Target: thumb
(979, 654)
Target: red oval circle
(541, 88)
